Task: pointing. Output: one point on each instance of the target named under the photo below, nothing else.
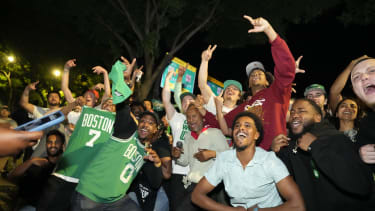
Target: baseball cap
(153, 114)
(314, 87)
(254, 66)
(234, 83)
(187, 94)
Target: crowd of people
(250, 148)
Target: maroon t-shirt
(272, 102)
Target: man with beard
(252, 176)
(269, 97)
(32, 174)
(53, 99)
(323, 161)
(106, 179)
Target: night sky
(326, 43)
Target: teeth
(295, 123)
(241, 134)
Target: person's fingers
(124, 60)
(221, 93)
(250, 19)
(299, 59)
(133, 61)
(213, 48)
(28, 136)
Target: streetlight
(56, 72)
(11, 58)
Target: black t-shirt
(148, 180)
(33, 181)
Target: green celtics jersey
(112, 170)
(92, 130)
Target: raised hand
(69, 64)
(219, 100)
(98, 86)
(138, 73)
(129, 66)
(207, 54)
(99, 70)
(198, 102)
(81, 101)
(181, 70)
(260, 24)
(298, 70)
(168, 77)
(32, 86)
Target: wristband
(255, 209)
(157, 165)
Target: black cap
(154, 115)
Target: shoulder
(264, 156)
(177, 117)
(226, 156)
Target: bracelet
(157, 165)
(255, 209)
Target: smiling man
(269, 98)
(324, 162)
(252, 176)
(38, 169)
(106, 179)
(363, 81)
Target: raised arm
(65, 80)
(24, 101)
(178, 85)
(166, 97)
(284, 70)
(261, 25)
(220, 116)
(107, 87)
(203, 73)
(335, 92)
(136, 77)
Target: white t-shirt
(211, 107)
(40, 148)
(179, 127)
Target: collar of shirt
(258, 157)
(195, 135)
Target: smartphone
(43, 122)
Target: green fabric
(120, 90)
(112, 170)
(177, 93)
(92, 130)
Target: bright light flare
(11, 58)
(56, 72)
